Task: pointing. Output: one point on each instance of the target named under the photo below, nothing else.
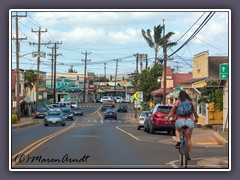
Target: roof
(169, 71)
(190, 81)
(160, 91)
(213, 66)
(181, 77)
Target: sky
(108, 35)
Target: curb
(213, 162)
(220, 139)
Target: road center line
(30, 148)
(127, 133)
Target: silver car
(54, 116)
(141, 119)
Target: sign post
(223, 71)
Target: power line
(196, 31)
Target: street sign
(140, 96)
(223, 71)
(135, 96)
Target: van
(64, 104)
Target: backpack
(184, 108)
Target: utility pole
(105, 70)
(146, 61)
(135, 84)
(54, 54)
(17, 63)
(116, 74)
(52, 65)
(85, 69)
(165, 64)
(38, 59)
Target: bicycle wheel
(183, 151)
(185, 159)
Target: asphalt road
(92, 142)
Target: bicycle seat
(185, 127)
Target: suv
(158, 119)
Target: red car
(158, 120)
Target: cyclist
(181, 121)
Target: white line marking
(127, 133)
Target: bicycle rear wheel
(183, 152)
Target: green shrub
(14, 118)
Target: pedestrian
(183, 120)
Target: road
(91, 142)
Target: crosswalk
(97, 106)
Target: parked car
(49, 106)
(54, 116)
(98, 101)
(141, 119)
(67, 113)
(64, 104)
(158, 119)
(73, 104)
(41, 111)
(110, 113)
(106, 105)
(118, 99)
(77, 111)
(105, 98)
(55, 106)
(122, 108)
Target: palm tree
(156, 41)
(30, 79)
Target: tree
(156, 40)
(30, 79)
(71, 70)
(212, 93)
(147, 80)
(102, 79)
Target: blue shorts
(184, 122)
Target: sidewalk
(25, 121)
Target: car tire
(138, 128)
(45, 124)
(145, 129)
(152, 130)
(64, 124)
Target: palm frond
(147, 39)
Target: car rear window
(145, 114)
(163, 109)
(42, 108)
(54, 113)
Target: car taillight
(115, 113)
(105, 113)
(141, 118)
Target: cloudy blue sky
(116, 34)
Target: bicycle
(183, 149)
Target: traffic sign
(223, 71)
(135, 96)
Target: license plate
(54, 121)
(110, 113)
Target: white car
(118, 99)
(73, 104)
(105, 98)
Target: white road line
(127, 133)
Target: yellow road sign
(135, 95)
